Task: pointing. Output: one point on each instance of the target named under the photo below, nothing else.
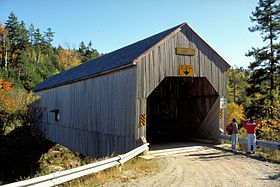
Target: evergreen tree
(265, 77)
(87, 52)
(38, 38)
(23, 41)
(49, 36)
(13, 27)
(38, 44)
(31, 32)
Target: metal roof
(116, 59)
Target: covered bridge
(167, 86)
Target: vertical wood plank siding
(100, 116)
(97, 115)
(162, 61)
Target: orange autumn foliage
(5, 86)
(7, 102)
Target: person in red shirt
(250, 126)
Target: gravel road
(203, 165)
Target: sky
(112, 24)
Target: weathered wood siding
(162, 61)
(97, 115)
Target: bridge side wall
(96, 115)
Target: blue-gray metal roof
(113, 60)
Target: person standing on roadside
(234, 135)
(250, 126)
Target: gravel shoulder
(204, 165)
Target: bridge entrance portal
(177, 107)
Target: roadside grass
(130, 170)
(268, 155)
(60, 158)
(265, 154)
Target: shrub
(17, 107)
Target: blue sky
(110, 24)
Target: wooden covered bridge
(167, 86)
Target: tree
(38, 44)
(68, 58)
(23, 41)
(87, 52)
(13, 27)
(3, 46)
(49, 36)
(237, 85)
(265, 73)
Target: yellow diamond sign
(186, 71)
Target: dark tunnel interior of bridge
(177, 107)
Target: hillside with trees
(27, 57)
(255, 92)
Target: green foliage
(265, 70)
(237, 85)
(87, 52)
(27, 56)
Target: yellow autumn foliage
(235, 110)
(68, 58)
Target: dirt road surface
(193, 164)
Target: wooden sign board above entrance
(186, 71)
(185, 51)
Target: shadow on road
(211, 155)
(274, 177)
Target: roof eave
(136, 60)
(129, 65)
